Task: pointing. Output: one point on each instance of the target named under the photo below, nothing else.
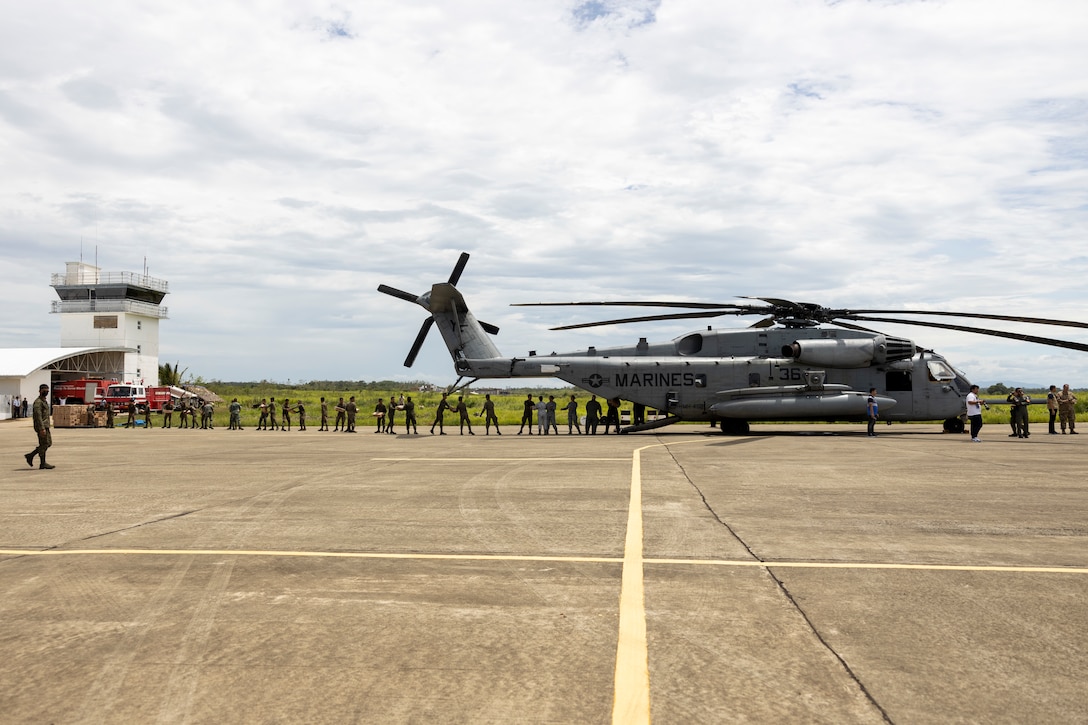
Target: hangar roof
(18, 362)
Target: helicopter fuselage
(805, 373)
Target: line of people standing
(546, 415)
(1060, 404)
(1061, 407)
(279, 415)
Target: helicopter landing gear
(953, 425)
(734, 427)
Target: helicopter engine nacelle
(850, 352)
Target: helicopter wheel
(953, 425)
(733, 427)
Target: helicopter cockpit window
(940, 371)
(690, 345)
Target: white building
(113, 309)
(109, 329)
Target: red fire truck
(85, 391)
(118, 395)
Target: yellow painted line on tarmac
(631, 692)
(874, 565)
(543, 558)
(445, 461)
(310, 554)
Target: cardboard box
(69, 416)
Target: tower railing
(87, 278)
(135, 306)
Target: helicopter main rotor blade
(419, 342)
(859, 328)
(458, 268)
(777, 302)
(647, 318)
(652, 303)
(1053, 342)
(397, 293)
(975, 315)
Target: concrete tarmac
(797, 574)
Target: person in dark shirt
(527, 415)
(440, 414)
(593, 415)
(462, 411)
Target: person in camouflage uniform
(42, 411)
(1067, 413)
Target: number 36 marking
(792, 374)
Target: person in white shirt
(974, 413)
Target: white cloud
(276, 165)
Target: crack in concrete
(783, 589)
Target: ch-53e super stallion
(800, 362)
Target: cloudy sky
(276, 161)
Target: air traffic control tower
(113, 309)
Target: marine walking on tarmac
(41, 422)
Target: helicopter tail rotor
(444, 303)
(418, 344)
(401, 294)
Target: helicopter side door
(899, 384)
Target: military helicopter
(799, 362)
